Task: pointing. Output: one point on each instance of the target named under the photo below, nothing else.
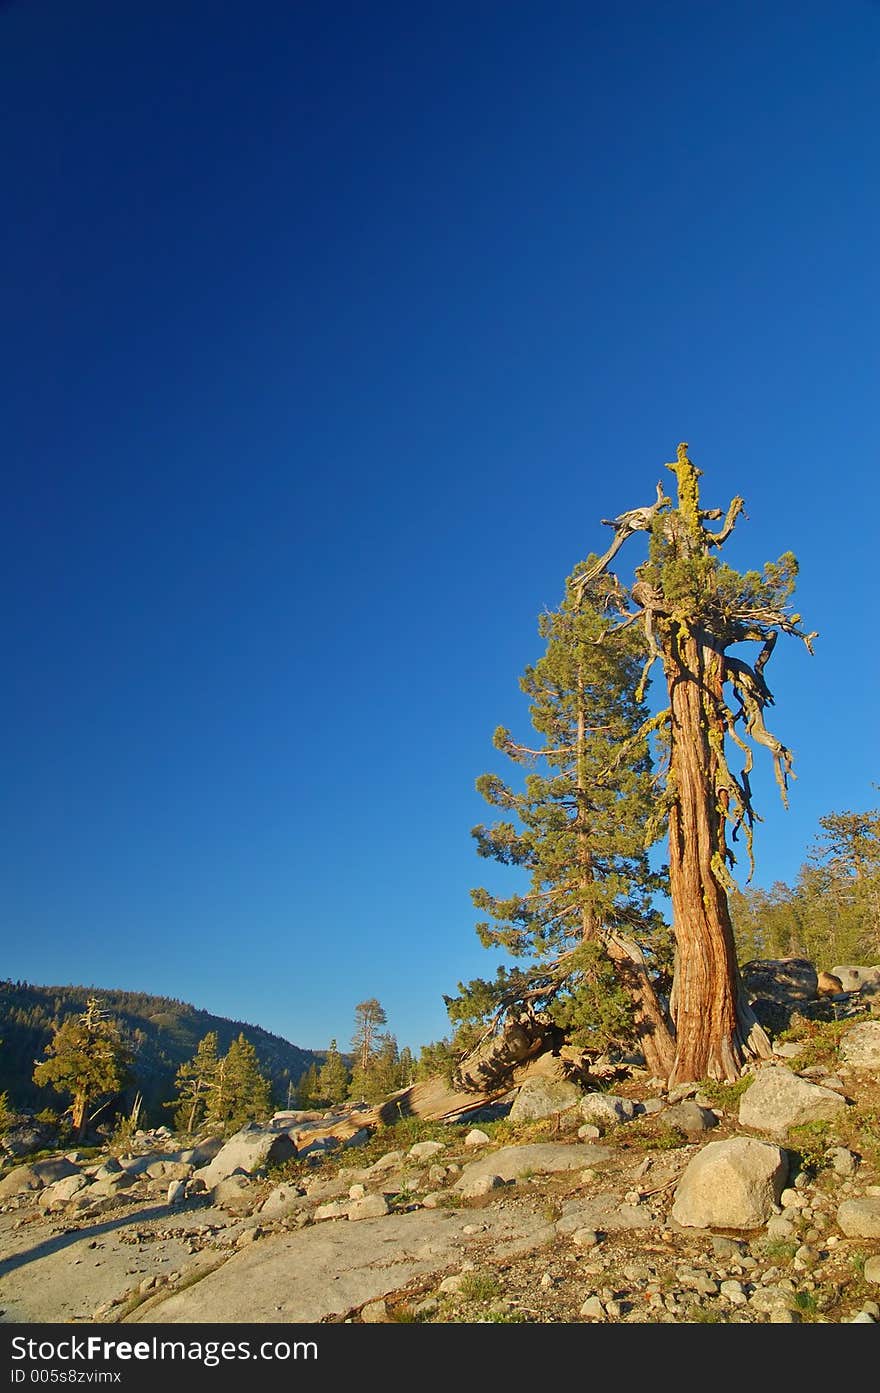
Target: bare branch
(636, 520)
(716, 539)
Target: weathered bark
(715, 1030)
(490, 1066)
(78, 1114)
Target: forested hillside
(161, 1032)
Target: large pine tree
(195, 1083)
(87, 1059)
(577, 826)
(333, 1077)
(240, 1092)
(693, 610)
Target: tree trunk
(80, 1103)
(655, 1037)
(714, 1027)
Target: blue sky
(330, 335)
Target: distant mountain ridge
(161, 1031)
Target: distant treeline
(161, 1032)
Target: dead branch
(635, 520)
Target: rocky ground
(580, 1215)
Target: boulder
(205, 1150)
(733, 1184)
(606, 1109)
(690, 1118)
(541, 1158)
(168, 1170)
(25, 1136)
(777, 987)
(854, 978)
(779, 1099)
(36, 1175)
(392, 1160)
(860, 1046)
(284, 1199)
(369, 1207)
(249, 1150)
(788, 981)
(421, 1150)
(860, 1218)
(60, 1191)
(233, 1193)
(542, 1097)
(476, 1137)
(19, 1181)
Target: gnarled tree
(694, 609)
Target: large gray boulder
(249, 1150)
(541, 1158)
(778, 987)
(860, 1218)
(854, 978)
(784, 980)
(733, 1184)
(539, 1097)
(779, 1099)
(36, 1175)
(860, 1046)
(60, 1191)
(27, 1135)
(690, 1118)
(606, 1109)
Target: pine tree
(308, 1089)
(368, 1017)
(87, 1059)
(250, 1091)
(693, 609)
(333, 1078)
(195, 1082)
(576, 827)
(406, 1068)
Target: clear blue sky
(330, 333)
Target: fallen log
(483, 1078)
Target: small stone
(370, 1207)
(546, 1280)
(333, 1210)
(484, 1185)
(356, 1192)
(806, 1257)
(452, 1285)
(421, 1150)
(613, 1309)
(593, 1309)
(863, 1318)
(589, 1132)
(587, 1176)
(374, 1313)
(872, 1270)
(733, 1291)
(476, 1138)
(585, 1238)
